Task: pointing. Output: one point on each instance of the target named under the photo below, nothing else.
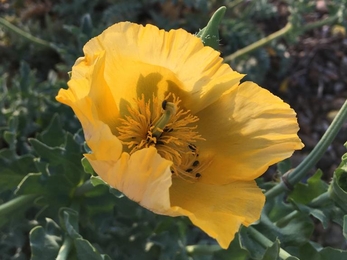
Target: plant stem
(260, 43)
(264, 241)
(85, 187)
(299, 172)
(24, 34)
(280, 33)
(65, 249)
(285, 220)
(321, 200)
(17, 203)
(202, 249)
(329, 20)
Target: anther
(189, 170)
(192, 147)
(197, 175)
(163, 105)
(196, 163)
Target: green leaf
(97, 203)
(304, 193)
(344, 229)
(96, 180)
(45, 242)
(329, 253)
(31, 184)
(296, 231)
(314, 251)
(209, 35)
(62, 160)
(85, 250)
(69, 222)
(234, 251)
(338, 188)
(10, 136)
(54, 196)
(322, 214)
(272, 252)
(53, 135)
(13, 168)
(284, 166)
(87, 167)
(255, 250)
(308, 251)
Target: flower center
(167, 127)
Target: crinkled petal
(144, 177)
(95, 109)
(175, 60)
(246, 131)
(219, 210)
(98, 135)
(89, 81)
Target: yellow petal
(95, 108)
(133, 51)
(88, 80)
(144, 177)
(219, 210)
(246, 131)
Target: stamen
(169, 128)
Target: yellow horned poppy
(170, 126)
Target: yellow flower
(170, 126)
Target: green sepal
(209, 35)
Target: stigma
(170, 129)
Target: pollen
(170, 129)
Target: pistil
(170, 110)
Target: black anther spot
(196, 163)
(163, 105)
